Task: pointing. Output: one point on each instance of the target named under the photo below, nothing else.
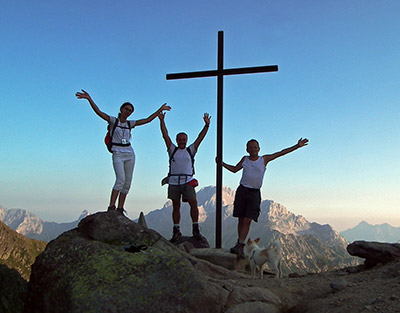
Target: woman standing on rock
(123, 155)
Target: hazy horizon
(339, 224)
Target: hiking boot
(238, 250)
(196, 231)
(111, 208)
(176, 234)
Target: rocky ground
(343, 291)
(88, 269)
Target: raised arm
(85, 95)
(143, 121)
(164, 130)
(204, 131)
(269, 157)
(232, 168)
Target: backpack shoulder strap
(192, 158)
(170, 160)
(113, 129)
(190, 153)
(172, 155)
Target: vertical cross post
(220, 73)
(220, 101)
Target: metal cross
(220, 72)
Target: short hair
(181, 133)
(252, 140)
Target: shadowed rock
(13, 289)
(142, 220)
(374, 252)
(87, 270)
(196, 243)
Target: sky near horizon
(337, 85)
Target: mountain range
(307, 246)
(368, 232)
(31, 226)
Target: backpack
(166, 179)
(110, 132)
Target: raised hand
(207, 118)
(82, 95)
(165, 107)
(302, 142)
(161, 116)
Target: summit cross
(220, 72)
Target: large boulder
(375, 252)
(88, 270)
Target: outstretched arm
(232, 168)
(164, 130)
(269, 157)
(85, 95)
(204, 131)
(143, 121)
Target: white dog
(258, 257)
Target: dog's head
(250, 246)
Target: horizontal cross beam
(231, 71)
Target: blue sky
(338, 85)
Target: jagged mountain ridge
(18, 252)
(308, 246)
(364, 231)
(31, 226)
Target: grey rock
(87, 270)
(195, 242)
(251, 294)
(339, 284)
(253, 307)
(142, 220)
(374, 252)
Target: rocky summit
(88, 269)
(112, 264)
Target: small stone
(339, 284)
(371, 301)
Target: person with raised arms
(246, 206)
(123, 156)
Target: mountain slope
(308, 247)
(18, 252)
(368, 232)
(33, 227)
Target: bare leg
(121, 200)
(243, 228)
(176, 213)
(194, 210)
(114, 196)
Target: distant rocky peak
(83, 214)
